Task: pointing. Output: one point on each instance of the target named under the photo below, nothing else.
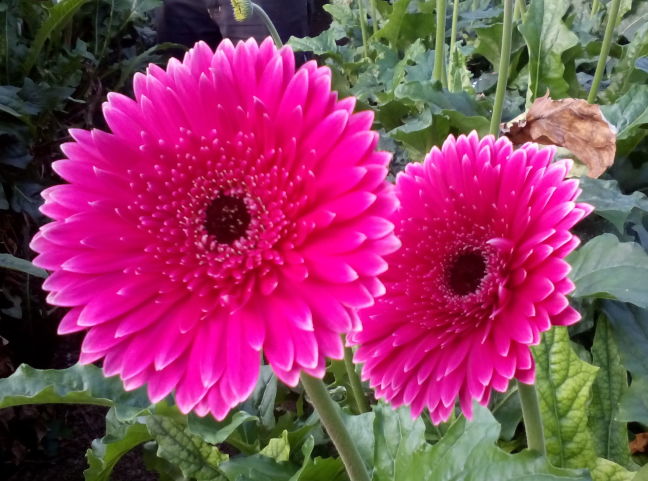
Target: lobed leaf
(75, 385)
(196, 458)
(106, 452)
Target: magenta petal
(236, 209)
(481, 273)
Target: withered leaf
(639, 444)
(570, 123)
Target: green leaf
(605, 470)
(59, 14)
(507, 410)
(215, 432)
(606, 267)
(629, 115)
(630, 329)
(15, 263)
(609, 202)
(257, 468)
(400, 447)
(360, 429)
(278, 448)
(634, 405)
(324, 469)
(196, 458)
(163, 468)
(610, 436)
(489, 43)
(74, 385)
(468, 451)
(622, 75)
(547, 38)
(564, 383)
(107, 451)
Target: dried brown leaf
(639, 444)
(571, 123)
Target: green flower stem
(374, 16)
(269, 25)
(332, 422)
(502, 76)
(439, 45)
(363, 27)
(613, 13)
(596, 4)
(354, 381)
(532, 418)
(453, 33)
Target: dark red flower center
(466, 272)
(227, 218)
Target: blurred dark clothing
(187, 21)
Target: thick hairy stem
(332, 422)
(605, 49)
(502, 75)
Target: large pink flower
(237, 207)
(481, 274)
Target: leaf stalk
(532, 417)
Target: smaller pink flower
(480, 274)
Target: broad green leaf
(360, 428)
(278, 448)
(622, 75)
(634, 405)
(605, 470)
(606, 267)
(74, 385)
(610, 436)
(59, 14)
(400, 447)
(215, 432)
(629, 115)
(400, 28)
(564, 383)
(257, 468)
(324, 469)
(608, 200)
(489, 43)
(8, 261)
(630, 329)
(120, 438)
(547, 38)
(468, 452)
(192, 455)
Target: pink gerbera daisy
(485, 230)
(237, 208)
